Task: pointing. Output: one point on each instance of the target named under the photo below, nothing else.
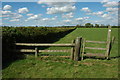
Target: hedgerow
(10, 35)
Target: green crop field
(66, 68)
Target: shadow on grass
(94, 57)
(8, 57)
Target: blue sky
(43, 13)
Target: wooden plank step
(95, 48)
(95, 41)
(40, 44)
(94, 54)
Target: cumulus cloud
(86, 9)
(106, 16)
(54, 10)
(7, 7)
(23, 10)
(17, 16)
(99, 13)
(33, 17)
(6, 12)
(45, 19)
(56, 3)
(104, 1)
(67, 21)
(30, 14)
(49, 19)
(111, 4)
(111, 9)
(14, 20)
(58, 6)
(69, 15)
(82, 18)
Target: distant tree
(88, 25)
(96, 25)
(78, 25)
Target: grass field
(65, 68)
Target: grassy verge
(65, 68)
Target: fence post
(83, 48)
(77, 48)
(36, 52)
(108, 42)
(72, 50)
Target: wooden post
(72, 50)
(36, 52)
(83, 50)
(77, 48)
(113, 39)
(108, 42)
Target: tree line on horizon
(87, 25)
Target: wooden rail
(95, 54)
(32, 50)
(95, 41)
(56, 56)
(38, 44)
(95, 48)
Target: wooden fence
(75, 48)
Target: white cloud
(30, 14)
(104, 1)
(23, 10)
(58, 6)
(111, 4)
(49, 19)
(55, 10)
(7, 7)
(99, 13)
(54, 18)
(69, 15)
(14, 20)
(56, 3)
(45, 19)
(67, 21)
(82, 18)
(6, 12)
(33, 17)
(17, 16)
(86, 9)
(106, 16)
(111, 9)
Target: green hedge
(10, 35)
